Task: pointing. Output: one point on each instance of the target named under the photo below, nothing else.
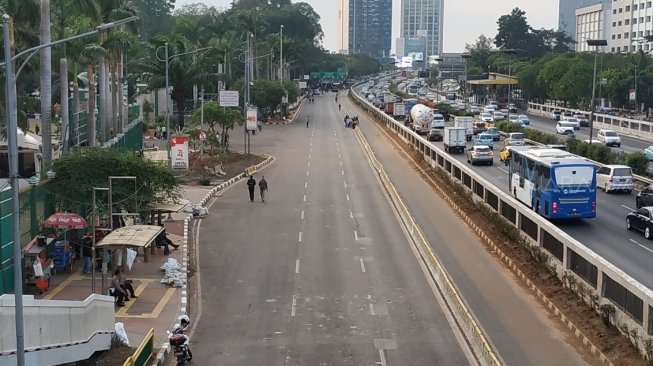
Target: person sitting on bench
(126, 285)
(118, 291)
(163, 241)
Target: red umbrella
(65, 220)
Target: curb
(164, 352)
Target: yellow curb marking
(143, 283)
(157, 310)
(76, 276)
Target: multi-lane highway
(322, 273)
(606, 234)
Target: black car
(640, 219)
(645, 197)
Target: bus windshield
(566, 176)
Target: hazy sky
(464, 20)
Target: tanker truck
(421, 116)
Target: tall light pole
(281, 53)
(12, 142)
(465, 57)
(596, 43)
(168, 94)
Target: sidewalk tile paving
(157, 304)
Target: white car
(584, 122)
(498, 115)
(515, 139)
(615, 178)
(513, 118)
(573, 120)
(565, 128)
(438, 121)
(486, 117)
(609, 138)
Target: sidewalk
(157, 304)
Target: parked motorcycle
(180, 342)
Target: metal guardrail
(603, 283)
(144, 352)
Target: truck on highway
(390, 108)
(421, 117)
(467, 123)
(455, 139)
(399, 111)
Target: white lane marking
(343, 172)
(340, 163)
(309, 164)
(356, 237)
(351, 215)
(302, 215)
(300, 236)
(339, 156)
(344, 184)
(305, 184)
(642, 246)
(347, 197)
(294, 305)
(382, 355)
(304, 198)
(297, 266)
(628, 208)
(309, 156)
(503, 170)
(362, 265)
(307, 173)
(372, 309)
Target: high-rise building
(592, 22)
(370, 27)
(343, 26)
(631, 21)
(567, 15)
(423, 18)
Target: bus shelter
(132, 236)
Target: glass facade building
(370, 27)
(423, 18)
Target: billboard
(229, 98)
(405, 62)
(416, 56)
(179, 152)
(251, 121)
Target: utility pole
(596, 43)
(281, 53)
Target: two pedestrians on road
(262, 185)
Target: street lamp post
(465, 57)
(167, 66)
(12, 142)
(281, 53)
(93, 259)
(596, 43)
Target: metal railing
(144, 352)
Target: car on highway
(504, 155)
(480, 154)
(498, 115)
(648, 152)
(513, 117)
(524, 118)
(475, 109)
(615, 178)
(494, 132)
(484, 139)
(489, 109)
(609, 138)
(640, 220)
(479, 127)
(555, 115)
(515, 139)
(512, 108)
(434, 134)
(644, 197)
(565, 128)
(518, 123)
(584, 122)
(573, 120)
(487, 117)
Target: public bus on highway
(554, 183)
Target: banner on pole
(251, 122)
(179, 152)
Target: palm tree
(90, 53)
(45, 58)
(119, 42)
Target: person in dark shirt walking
(263, 186)
(251, 184)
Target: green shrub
(637, 161)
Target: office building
(343, 26)
(592, 22)
(423, 18)
(631, 21)
(567, 14)
(414, 47)
(370, 27)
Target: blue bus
(554, 183)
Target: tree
(513, 31)
(156, 16)
(267, 95)
(85, 168)
(479, 52)
(216, 116)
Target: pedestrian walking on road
(307, 119)
(251, 184)
(263, 186)
(339, 107)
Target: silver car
(480, 154)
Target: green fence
(131, 137)
(35, 205)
